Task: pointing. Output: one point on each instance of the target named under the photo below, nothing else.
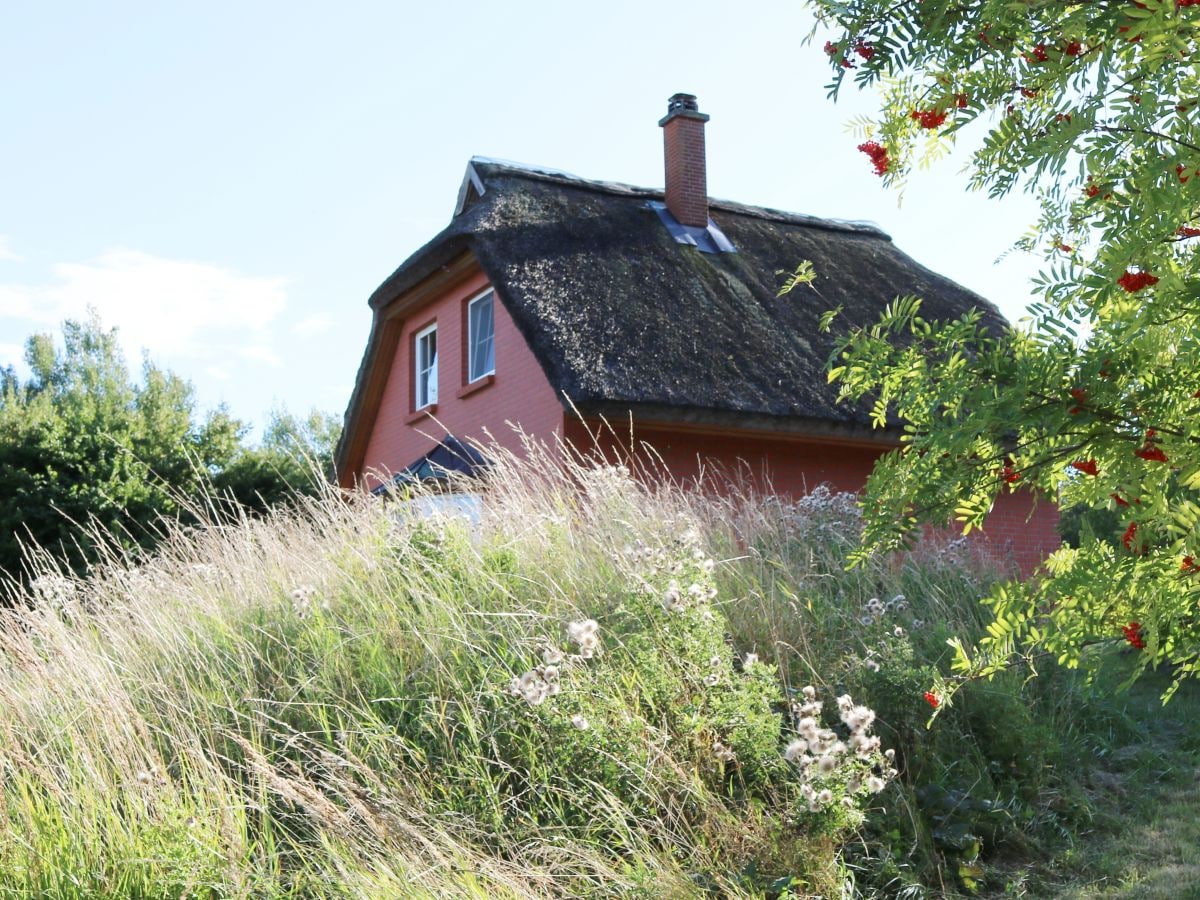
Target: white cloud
(313, 325)
(7, 254)
(12, 355)
(259, 353)
(171, 308)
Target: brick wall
(518, 392)
(1020, 530)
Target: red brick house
(556, 303)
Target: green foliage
(1091, 402)
(82, 448)
(90, 457)
(294, 458)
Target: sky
(227, 183)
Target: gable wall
(1019, 531)
(519, 391)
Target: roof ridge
(618, 188)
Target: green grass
(318, 704)
(1142, 790)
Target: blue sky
(227, 183)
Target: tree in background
(295, 457)
(1096, 398)
(85, 451)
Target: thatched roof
(622, 317)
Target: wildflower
(858, 718)
(875, 784)
(826, 764)
(584, 635)
(917, 624)
(795, 749)
(750, 660)
(809, 692)
(580, 723)
(1086, 466)
(1136, 281)
(932, 699)
(712, 679)
(928, 118)
(707, 566)
(722, 753)
(552, 656)
(53, 590)
(898, 631)
(825, 797)
(1133, 634)
(878, 155)
(672, 600)
(1129, 536)
(870, 665)
(864, 745)
(714, 660)
(531, 688)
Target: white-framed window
(425, 375)
(481, 337)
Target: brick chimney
(683, 147)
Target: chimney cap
(683, 106)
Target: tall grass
(318, 703)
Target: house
(557, 303)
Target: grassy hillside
(603, 689)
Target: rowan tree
(1094, 400)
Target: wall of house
(1019, 530)
(518, 392)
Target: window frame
(419, 340)
(468, 344)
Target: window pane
(433, 386)
(481, 354)
(425, 365)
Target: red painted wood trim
(477, 385)
(423, 413)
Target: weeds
(608, 686)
